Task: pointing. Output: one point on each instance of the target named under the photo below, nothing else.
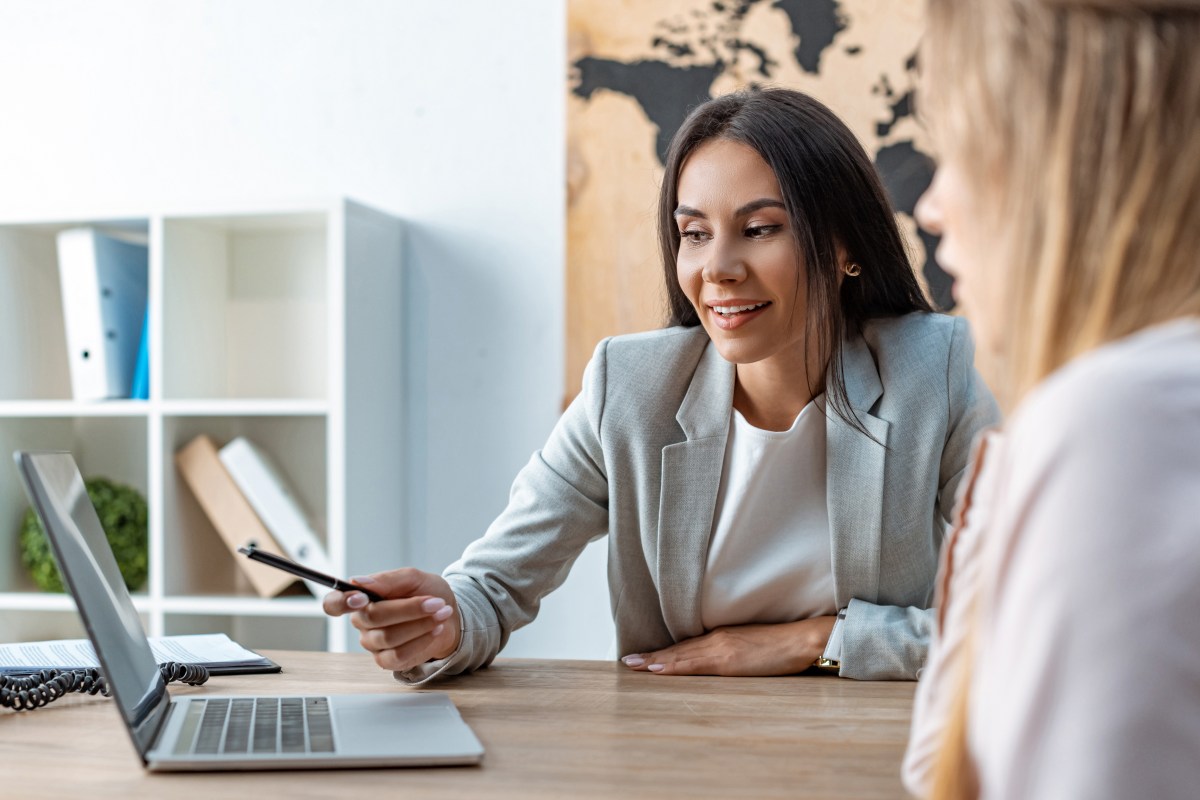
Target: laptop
(213, 732)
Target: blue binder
(104, 282)
(140, 390)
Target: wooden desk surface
(551, 729)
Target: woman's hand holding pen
(417, 622)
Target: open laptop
(210, 732)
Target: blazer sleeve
(557, 505)
(886, 642)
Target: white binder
(104, 303)
(276, 505)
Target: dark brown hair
(833, 197)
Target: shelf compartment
(256, 633)
(196, 561)
(110, 447)
(40, 626)
(244, 306)
(33, 342)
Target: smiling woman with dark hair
(838, 215)
(774, 470)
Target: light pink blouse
(1072, 586)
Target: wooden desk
(551, 728)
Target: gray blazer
(638, 456)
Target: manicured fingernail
(655, 667)
(356, 600)
(432, 604)
(363, 580)
(438, 629)
(443, 613)
(633, 661)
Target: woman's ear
(843, 261)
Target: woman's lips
(741, 313)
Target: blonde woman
(1066, 657)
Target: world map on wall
(635, 71)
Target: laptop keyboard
(259, 725)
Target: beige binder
(230, 513)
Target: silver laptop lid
(90, 571)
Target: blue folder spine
(140, 390)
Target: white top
(1082, 624)
(769, 559)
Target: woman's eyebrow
(755, 205)
(688, 211)
(749, 208)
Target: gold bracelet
(827, 664)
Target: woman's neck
(770, 395)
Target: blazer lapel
(691, 478)
(854, 480)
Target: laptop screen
(90, 571)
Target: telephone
(27, 692)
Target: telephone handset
(27, 692)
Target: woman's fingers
(412, 653)
(403, 633)
(393, 636)
(404, 582)
(700, 665)
(411, 627)
(334, 604)
(395, 612)
(674, 664)
(395, 584)
(643, 661)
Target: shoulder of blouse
(1141, 383)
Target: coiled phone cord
(27, 692)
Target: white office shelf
(70, 408)
(52, 601)
(244, 408)
(243, 606)
(281, 323)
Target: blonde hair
(1078, 122)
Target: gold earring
(852, 269)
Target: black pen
(307, 573)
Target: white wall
(449, 113)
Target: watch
(831, 659)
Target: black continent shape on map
(907, 173)
(817, 23)
(665, 92)
(900, 109)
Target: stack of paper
(217, 652)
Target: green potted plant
(123, 515)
